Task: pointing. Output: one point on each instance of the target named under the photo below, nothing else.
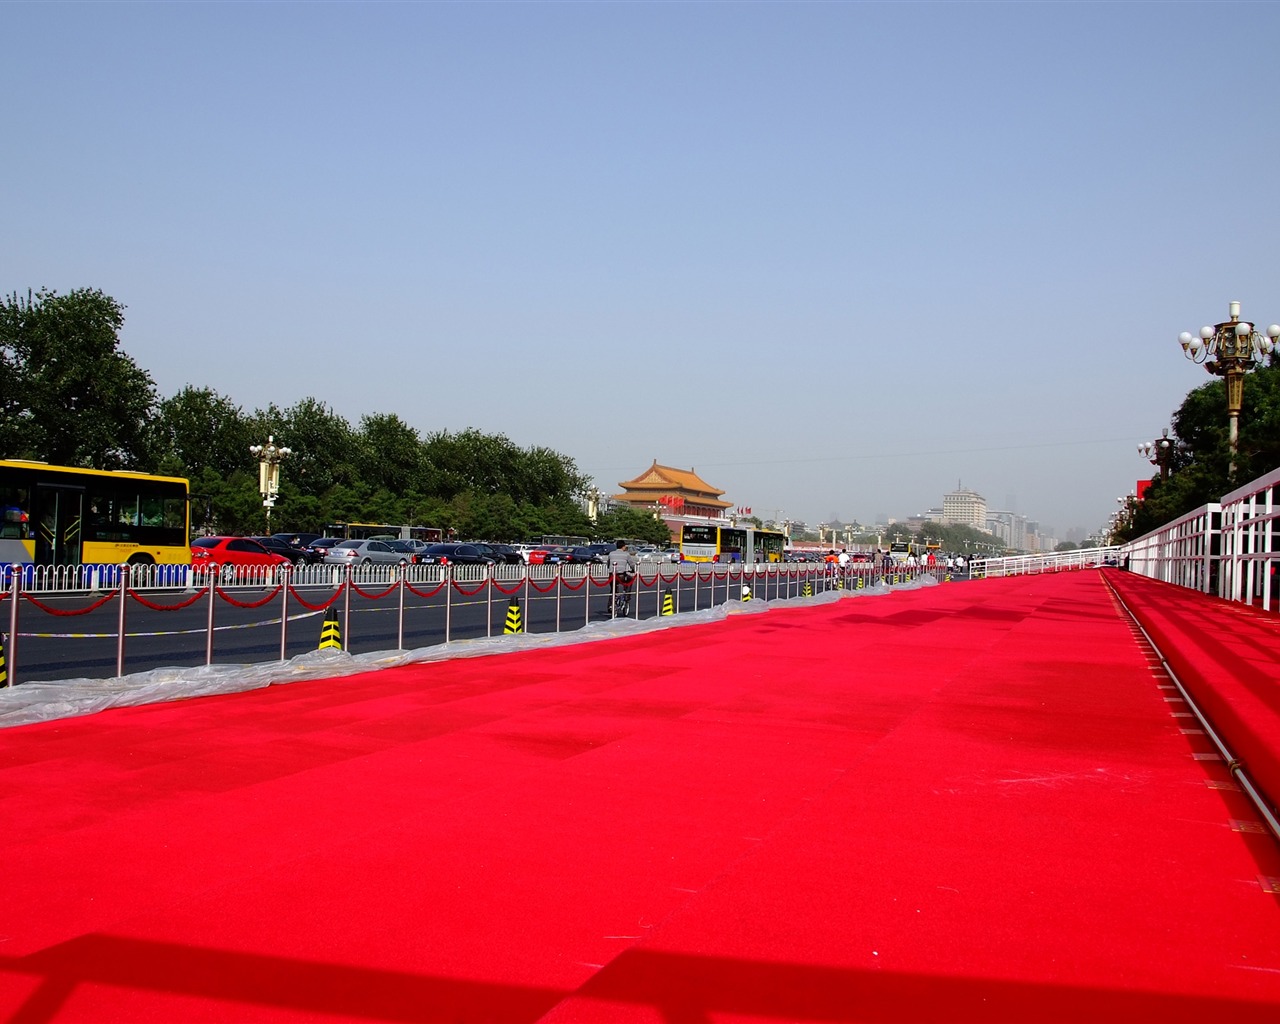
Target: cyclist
(622, 566)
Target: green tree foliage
(390, 452)
(70, 395)
(198, 429)
(1200, 460)
(622, 521)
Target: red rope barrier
(574, 586)
(168, 607)
(607, 581)
(63, 613)
(374, 597)
(316, 607)
(469, 593)
(551, 585)
(514, 590)
(420, 593)
(248, 604)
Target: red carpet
(1228, 656)
(970, 802)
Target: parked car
(231, 553)
(507, 554)
(298, 540)
(547, 554)
(296, 555)
(366, 552)
(405, 547)
(455, 554)
(323, 545)
(583, 556)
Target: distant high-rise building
(963, 507)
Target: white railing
(1230, 548)
(1182, 552)
(1251, 543)
(1048, 561)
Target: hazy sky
(838, 258)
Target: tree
(199, 429)
(623, 521)
(70, 395)
(391, 452)
(1199, 462)
(325, 450)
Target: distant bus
(899, 550)
(64, 515)
(564, 541)
(385, 531)
(704, 542)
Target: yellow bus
(705, 542)
(385, 531)
(64, 515)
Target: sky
(838, 258)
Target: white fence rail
(1049, 561)
(1230, 548)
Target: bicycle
(621, 605)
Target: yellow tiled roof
(659, 480)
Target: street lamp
(1230, 349)
(269, 456)
(1157, 452)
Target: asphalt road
(53, 644)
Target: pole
(124, 591)
(346, 611)
(13, 621)
(446, 574)
(400, 626)
(284, 613)
(208, 643)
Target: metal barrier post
(559, 593)
(208, 644)
(346, 610)
(13, 621)
(488, 613)
(446, 574)
(284, 612)
(528, 609)
(124, 591)
(400, 626)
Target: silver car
(366, 552)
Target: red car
(231, 554)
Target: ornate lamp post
(269, 456)
(1157, 452)
(1230, 349)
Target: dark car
(297, 555)
(323, 545)
(298, 540)
(506, 554)
(584, 556)
(455, 554)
